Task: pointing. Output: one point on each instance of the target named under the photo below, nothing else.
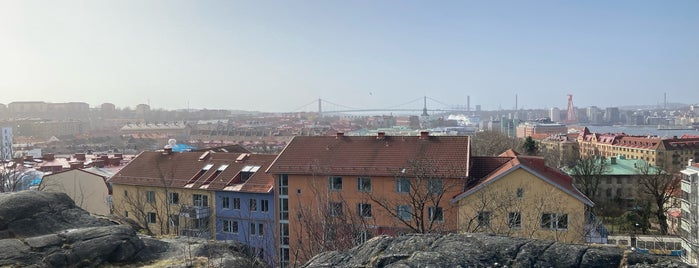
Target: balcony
(194, 212)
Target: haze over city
(279, 56)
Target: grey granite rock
(482, 250)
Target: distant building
(668, 154)
(611, 115)
(555, 114)
(540, 131)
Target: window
(403, 212)
(402, 185)
(150, 196)
(200, 200)
(151, 217)
(554, 221)
(252, 228)
(260, 229)
(520, 192)
(618, 180)
(435, 186)
(609, 180)
(253, 204)
(364, 210)
(236, 203)
(226, 202)
(126, 214)
(609, 192)
(335, 183)
(174, 220)
(514, 220)
(126, 193)
(484, 219)
(364, 184)
(619, 192)
(173, 198)
(360, 237)
(435, 213)
(230, 226)
(264, 205)
(335, 209)
(283, 184)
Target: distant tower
(320, 108)
(424, 108)
(468, 103)
(571, 117)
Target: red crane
(572, 117)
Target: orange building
(337, 191)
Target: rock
(481, 250)
(44, 229)
(34, 213)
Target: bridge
(420, 104)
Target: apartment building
(540, 131)
(174, 192)
(669, 154)
(337, 191)
(520, 196)
(689, 225)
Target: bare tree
(332, 224)
(10, 177)
(659, 186)
(422, 193)
(492, 143)
(588, 172)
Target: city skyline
(280, 56)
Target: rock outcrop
(482, 250)
(43, 229)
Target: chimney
(167, 150)
(424, 135)
(339, 135)
(613, 160)
(48, 157)
(80, 157)
(381, 135)
(98, 163)
(76, 165)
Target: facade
(245, 211)
(520, 196)
(6, 144)
(337, 191)
(689, 225)
(540, 131)
(669, 154)
(89, 190)
(620, 183)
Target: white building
(555, 114)
(689, 226)
(6, 144)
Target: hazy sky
(281, 55)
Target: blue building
(245, 209)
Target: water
(643, 131)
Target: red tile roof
(179, 170)
(534, 165)
(375, 156)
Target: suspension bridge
(425, 105)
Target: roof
(198, 170)
(374, 155)
(534, 165)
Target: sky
(280, 56)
